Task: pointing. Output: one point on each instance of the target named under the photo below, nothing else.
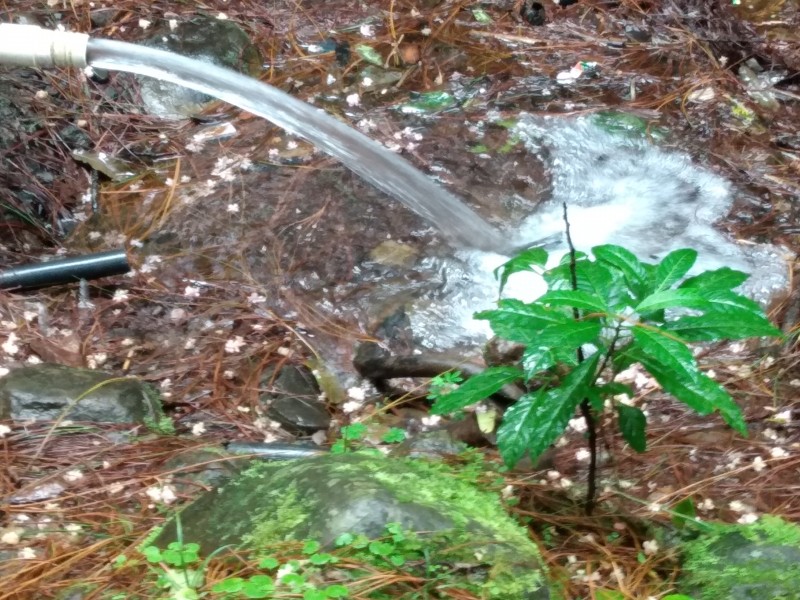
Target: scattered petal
(650, 547)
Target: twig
(586, 407)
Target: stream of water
(364, 156)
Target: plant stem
(586, 407)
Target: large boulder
(324, 497)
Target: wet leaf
(429, 102)
(481, 16)
(632, 424)
(538, 325)
(532, 259)
(574, 299)
(475, 389)
(536, 421)
(673, 268)
(684, 513)
(719, 279)
(369, 54)
(626, 263)
(674, 367)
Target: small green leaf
(311, 546)
(322, 559)
(258, 586)
(369, 54)
(397, 560)
(609, 595)
(380, 548)
(395, 435)
(432, 101)
(677, 597)
(345, 539)
(481, 16)
(684, 512)
(719, 279)
(354, 432)
(269, 563)
(336, 591)
(230, 585)
(314, 595)
(475, 389)
(532, 259)
(152, 554)
(673, 268)
(633, 424)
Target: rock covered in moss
(323, 497)
(760, 561)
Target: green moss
(755, 561)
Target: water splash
(619, 190)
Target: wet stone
(431, 445)
(48, 392)
(293, 400)
(202, 467)
(211, 40)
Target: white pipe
(33, 46)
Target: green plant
(350, 434)
(600, 316)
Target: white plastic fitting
(33, 46)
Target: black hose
(65, 270)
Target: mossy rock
(321, 498)
(744, 562)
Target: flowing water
(619, 189)
(369, 159)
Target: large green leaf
(520, 424)
(673, 268)
(537, 422)
(537, 325)
(475, 389)
(674, 367)
(527, 260)
(632, 424)
(574, 299)
(694, 299)
(626, 262)
(722, 326)
(719, 279)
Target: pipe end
(34, 46)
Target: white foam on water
(618, 190)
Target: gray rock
(202, 467)
(211, 40)
(324, 497)
(293, 400)
(48, 392)
(744, 562)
